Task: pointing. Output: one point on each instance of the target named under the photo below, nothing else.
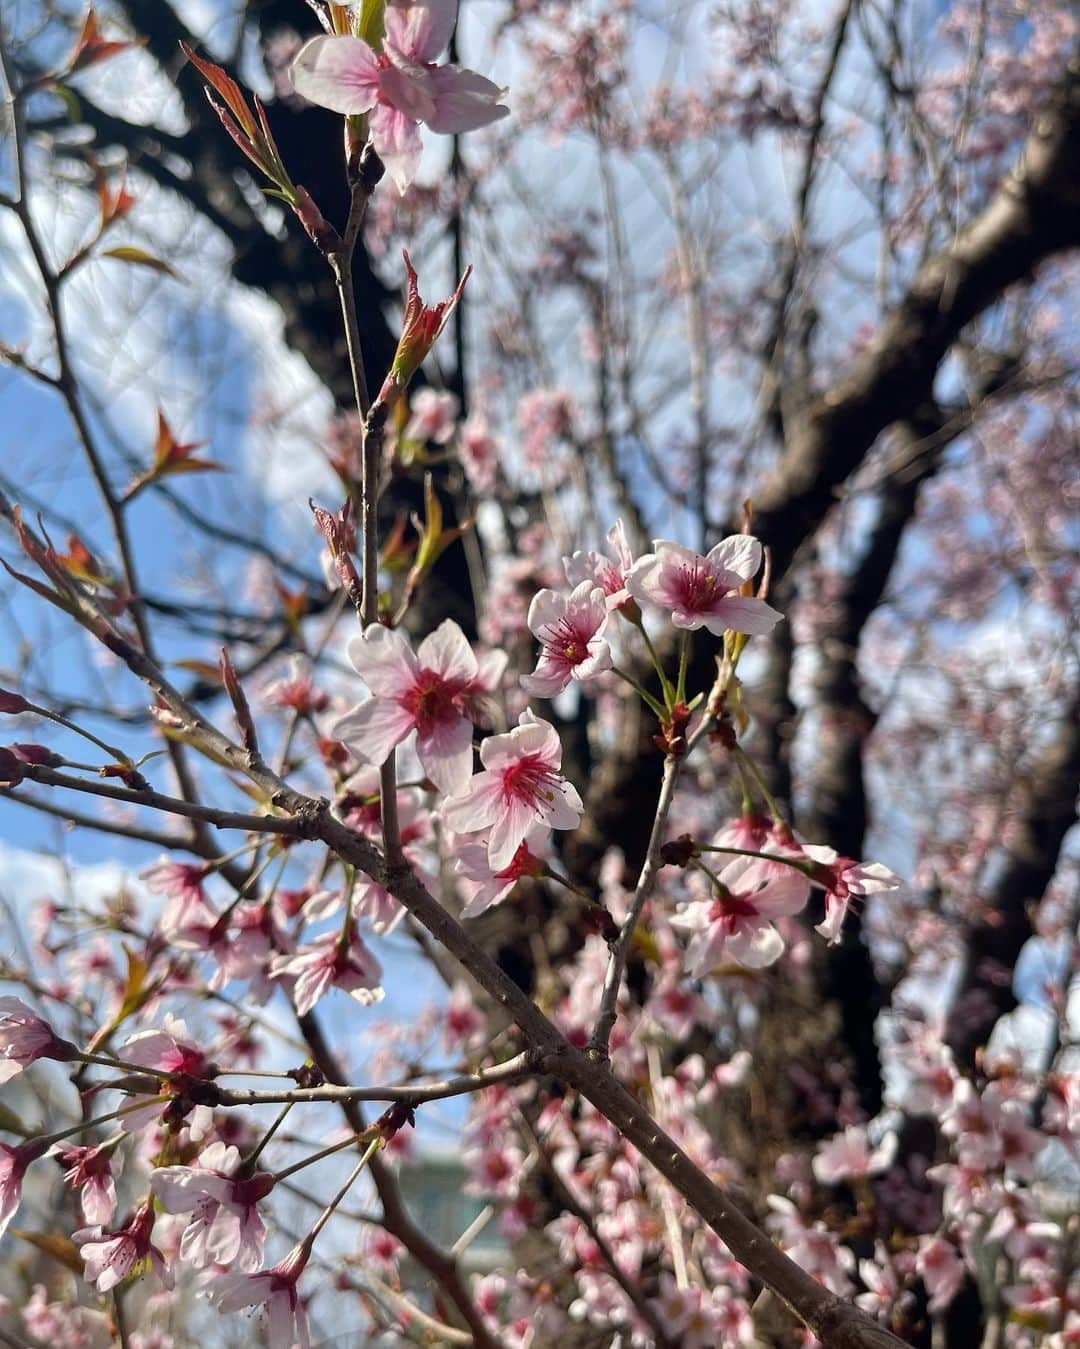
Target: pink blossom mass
(443, 744)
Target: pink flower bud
(25, 1038)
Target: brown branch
(291, 827)
(1034, 214)
(159, 839)
(516, 1069)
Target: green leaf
(372, 23)
(141, 258)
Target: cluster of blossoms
(974, 1214)
(495, 822)
(191, 1202)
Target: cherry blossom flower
(463, 1021)
(225, 1226)
(13, 1164)
(497, 1169)
(400, 85)
(842, 879)
(884, 1291)
(483, 886)
(296, 689)
(520, 786)
(182, 885)
(813, 1246)
(545, 417)
(381, 1249)
(25, 1038)
(930, 1069)
(164, 1051)
(479, 453)
(275, 1291)
(167, 1050)
(328, 962)
(61, 1325)
(421, 692)
(847, 1156)
(571, 629)
(703, 591)
(737, 920)
(89, 1170)
(109, 1257)
(433, 417)
(609, 573)
(941, 1269)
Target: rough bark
(1044, 810)
(837, 811)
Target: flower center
(529, 780)
(431, 700)
(697, 587)
(567, 642)
(730, 910)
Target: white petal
(373, 729)
(383, 658)
(739, 554)
(339, 73)
(448, 653)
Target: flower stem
(49, 1139)
(743, 758)
(318, 1157)
(640, 691)
(684, 663)
(327, 1213)
(665, 682)
(248, 1163)
(805, 867)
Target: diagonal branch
(1034, 214)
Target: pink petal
(643, 580)
(448, 653)
(755, 945)
(373, 729)
(565, 808)
(477, 808)
(742, 613)
(407, 87)
(545, 610)
(398, 142)
(446, 755)
(508, 831)
(548, 679)
(383, 659)
(464, 101)
(705, 951)
(339, 73)
(739, 554)
(421, 30)
(783, 895)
